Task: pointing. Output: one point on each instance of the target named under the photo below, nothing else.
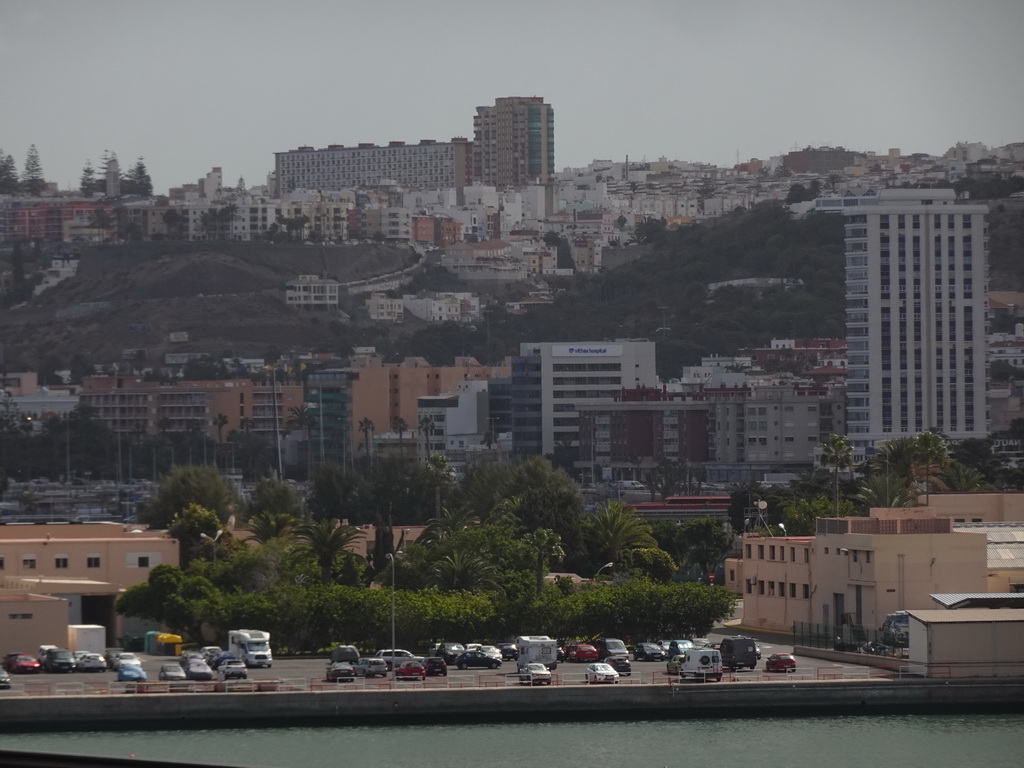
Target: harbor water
(907, 741)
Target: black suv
(648, 652)
(609, 646)
(59, 660)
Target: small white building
(383, 308)
(444, 307)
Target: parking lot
(308, 674)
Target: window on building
(853, 554)
(60, 562)
(760, 551)
(750, 587)
(771, 552)
(92, 561)
(826, 550)
(1, 563)
(867, 556)
(807, 592)
(760, 587)
(792, 589)
(792, 554)
(771, 589)
(807, 555)
(143, 561)
(17, 616)
(28, 562)
(749, 551)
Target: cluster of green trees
(135, 181)
(903, 472)
(476, 572)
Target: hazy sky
(192, 84)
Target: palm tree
(884, 490)
(505, 512)
(448, 524)
(838, 454)
(895, 457)
(399, 426)
(546, 546)
(268, 525)
(220, 421)
(326, 541)
(437, 474)
(101, 219)
(225, 215)
(425, 423)
(930, 456)
(616, 527)
(962, 479)
(466, 571)
(302, 417)
(366, 427)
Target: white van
(702, 664)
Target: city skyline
(230, 84)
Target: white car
(394, 656)
(629, 485)
(491, 650)
(601, 673)
(535, 674)
(128, 659)
(90, 662)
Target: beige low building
(85, 566)
(28, 621)
(970, 642)
(855, 570)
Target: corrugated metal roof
(969, 616)
(979, 600)
(1005, 542)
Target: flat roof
(988, 600)
(969, 616)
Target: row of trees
(477, 570)
(31, 182)
(135, 181)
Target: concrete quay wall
(690, 700)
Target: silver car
(90, 662)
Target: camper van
(251, 646)
(701, 664)
(539, 649)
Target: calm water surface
(925, 741)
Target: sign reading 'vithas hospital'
(586, 350)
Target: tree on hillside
(87, 181)
(32, 180)
(8, 175)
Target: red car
(581, 652)
(780, 662)
(411, 670)
(22, 664)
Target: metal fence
(852, 638)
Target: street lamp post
(213, 540)
(391, 557)
(606, 565)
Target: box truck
(87, 637)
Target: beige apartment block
(390, 392)
(977, 507)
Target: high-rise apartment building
(514, 142)
(916, 314)
(427, 165)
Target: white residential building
(453, 423)
(916, 304)
(443, 307)
(383, 308)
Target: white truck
(87, 637)
(251, 646)
(539, 649)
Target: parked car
(600, 673)
(648, 652)
(187, 656)
(673, 665)
(580, 652)
(509, 652)
(677, 647)
(368, 666)
(233, 669)
(476, 659)
(780, 662)
(609, 646)
(41, 655)
(620, 664)
(171, 672)
(535, 674)
(448, 651)
(59, 660)
(198, 669)
(627, 485)
(412, 669)
(492, 650)
(739, 652)
(5, 679)
(90, 662)
(393, 655)
(128, 658)
(210, 652)
(347, 653)
(130, 673)
(111, 657)
(435, 666)
(337, 671)
(704, 664)
(22, 664)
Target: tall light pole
(391, 557)
(213, 540)
(606, 565)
